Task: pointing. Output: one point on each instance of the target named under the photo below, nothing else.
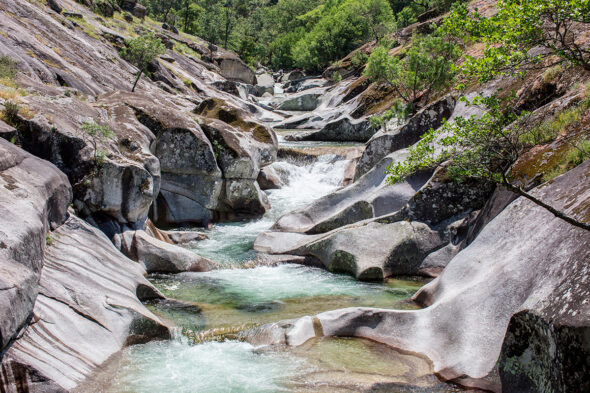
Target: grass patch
(184, 49)
(10, 112)
(549, 129)
(8, 68)
(551, 74)
(578, 152)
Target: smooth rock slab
(402, 137)
(87, 310)
(525, 258)
(34, 196)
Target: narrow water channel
(210, 308)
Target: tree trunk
(137, 80)
(186, 16)
(551, 209)
(227, 25)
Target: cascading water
(232, 243)
(233, 299)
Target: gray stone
(86, 311)
(233, 68)
(526, 272)
(161, 257)
(34, 196)
(265, 84)
(305, 101)
(384, 143)
(6, 131)
(269, 179)
(344, 129)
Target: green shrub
(94, 134)
(336, 77)
(549, 129)
(424, 68)
(8, 67)
(359, 59)
(11, 111)
(578, 152)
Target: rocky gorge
(237, 227)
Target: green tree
(94, 134)
(141, 51)
(479, 147)
(341, 27)
(425, 67)
(554, 27)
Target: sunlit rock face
(525, 272)
(34, 196)
(88, 295)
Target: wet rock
(87, 296)
(342, 130)
(374, 251)
(34, 196)
(384, 143)
(305, 101)
(268, 179)
(245, 198)
(524, 260)
(161, 257)
(370, 196)
(173, 237)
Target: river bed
(209, 309)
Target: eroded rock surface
(402, 137)
(34, 196)
(88, 296)
(469, 306)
